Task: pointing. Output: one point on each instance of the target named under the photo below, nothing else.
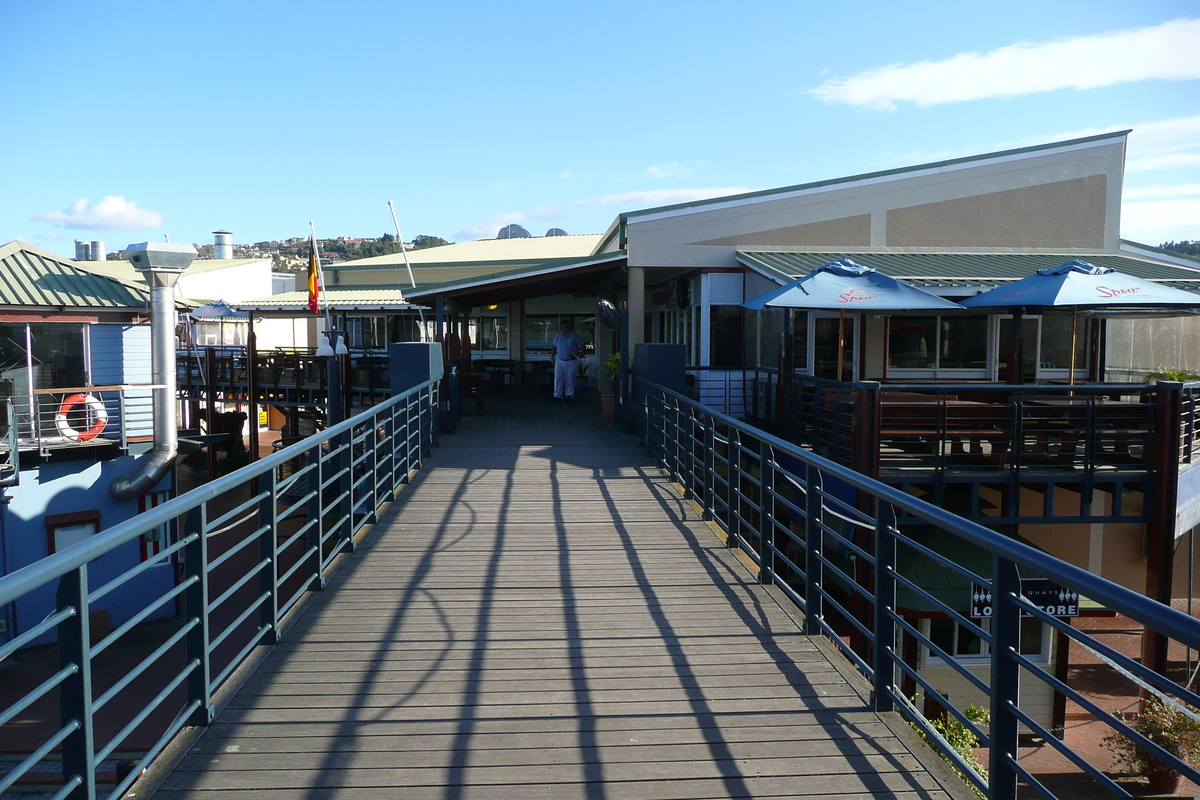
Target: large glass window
(912, 343)
(491, 334)
(937, 343)
(726, 336)
(828, 333)
(367, 333)
(798, 320)
(1056, 342)
(540, 331)
(964, 343)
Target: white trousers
(564, 378)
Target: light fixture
(341, 348)
(492, 308)
(324, 349)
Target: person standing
(568, 348)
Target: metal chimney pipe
(161, 264)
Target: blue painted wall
(120, 353)
(69, 486)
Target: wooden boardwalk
(540, 616)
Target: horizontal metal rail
(239, 554)
(845, 558)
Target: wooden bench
(967, 424)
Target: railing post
(766, 514)
(195, 606)
(316, 516)
(268, 579)
(883, 662)
(737, 487)
(1006, 677)
(708, 500)
(1164, 504)
(75, 693)
(349, 503)
(814, 514)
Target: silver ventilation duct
(161, 264)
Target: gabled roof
(482, 251)
(32, 278)
(965, 270)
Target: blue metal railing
(829, 539)
(245, 550)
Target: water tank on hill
(513, 231)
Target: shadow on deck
(540, 615)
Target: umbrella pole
(1074, 318)
(841, 341)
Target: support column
(637, 306)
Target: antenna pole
(403, 250)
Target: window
(367, 333)
(933, 344)
(725, 336)
(966, 646)
(1056, 343)
(491, 334)
(64, 530)
(540, 331)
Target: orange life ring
(99, 418)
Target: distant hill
(1187, 248)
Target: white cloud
(54, 236)
(1170, 51)
(487, 228)
(111, 213)
(1154, 221)
(1178, 190)
(668, 171)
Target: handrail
(229, 586)
(781, 504)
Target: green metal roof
(965, 270)
(33, 278)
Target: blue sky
(127, 121)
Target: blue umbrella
(1078, 284)
(842, 285)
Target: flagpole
(312, 232)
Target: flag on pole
(314, 277)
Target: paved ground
(540, 616)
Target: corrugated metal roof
(123, 270)
(359, 298)
(967, 270)
(483, 251)
(33, 278)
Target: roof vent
(556, 232)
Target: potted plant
(582, 367)
(608, 401)
(1169, 728)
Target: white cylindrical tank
(98, 253)
(223, 245)
(83, 251)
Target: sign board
(1055, 600)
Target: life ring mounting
(95, 411)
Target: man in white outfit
(568, 349)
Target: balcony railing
(55, 418)
(1098, 441)
(847, 549)
(223, 565)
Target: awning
(968, 271)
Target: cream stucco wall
(1006, 202)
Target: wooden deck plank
(539, 615)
